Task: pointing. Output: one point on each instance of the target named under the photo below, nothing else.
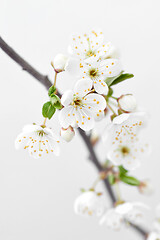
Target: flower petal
(83, 87)
(110, 67)
(67, 116)
(95, 102)
(67, 98)
(84, 119)
(100, 87)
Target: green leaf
(110, 92)
(56, 102)
(111, 179)
(122, 78)
(58, 105)
(129, 180)
(48, 110)
(122, 170)
(51, 90)
(110, 80)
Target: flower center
(90, 53)
(41, 133)
(125, 150)
(77, 102)
(93, 73)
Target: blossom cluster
(97, 67)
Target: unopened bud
(145, 187)
(67, 134)
(127, 103)
(60, 62)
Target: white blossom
(154, 236)
(80, 105)
(89, 46)
(124, 145)
(89, 204)
(60, 62)
(127, 103)
(116, 217)
(112, 219)
(67, 133)
(38, 140)
(99, 71)
(135, 121)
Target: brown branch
(43, 79)
(25, 65)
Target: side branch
(97, 163)
(25, 65)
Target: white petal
(98, 116)
(121, 118)
(101, 87)
(124, 208)
(115, 157)
(67, 98)
(74, 67)
(66, 116)
(31, 128)
(84, 119)
(83, 87)
(95, 101)
(110, 67)
(131, 164)
(153, 236)
(112, 219)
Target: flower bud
(60, 62)
(127, 103)
(67, 134)
(145, 187)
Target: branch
(25, 65)
(44, 80)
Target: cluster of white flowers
(90, 203)
(95, 64)
(122, 137)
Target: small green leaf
(56, 102)
(58, 105)
(122, 78)
(129, 180)
(110, 92)
(110, 80)
(122, 170)
(111, 179)
(51, 90)
(48, 110)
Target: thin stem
(44, 123)
(96, 182)
(55, 79)
(118, 192)
(114, 97)
(43, 79)
(109, 106)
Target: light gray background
(36, 196)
